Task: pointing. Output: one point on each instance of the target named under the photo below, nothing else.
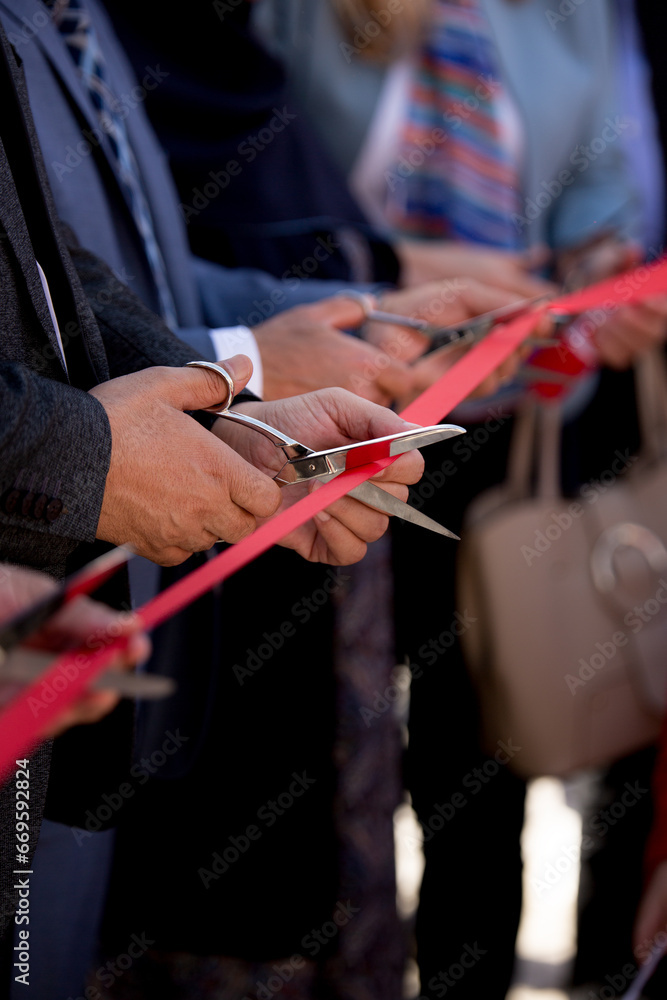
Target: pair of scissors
(466, 333)
(303, 464)
(20, 665)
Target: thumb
(202, 388)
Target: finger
(199, 388)
(393, 378)
(477, 299)
(657, 304)
(341, 311)
(523, 285)
(536, 257)
(357, 419)
(82, 619)
(362, 523)
(251, 494)
(406, 470)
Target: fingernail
(322, 515)
(240, 366)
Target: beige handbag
(569, 650)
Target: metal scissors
(303, 463)
(468, 332)
(21, 665)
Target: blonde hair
(383, 29)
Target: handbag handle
(651, 392)
(535, 446)
(536, 437)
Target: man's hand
(442, 304)
(424, 261)
(303, 349)
(173, 488)
(79, 622)
(321, 420)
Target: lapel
(13, 225)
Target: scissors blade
(397, 444)
(473, 330)
(84, 581)
(320, 464)
(376, 497)
(22, 666)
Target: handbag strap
(535, 447)
(536, 438)
(651, 392)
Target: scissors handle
(292, 448)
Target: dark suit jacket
(55, 437)
(256, 186)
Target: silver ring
(220, 407)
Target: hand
(303, 349)
(433, 260)
(651, 917)
(320, 420)
(173, 488)
(631, 331)
(75, 624)
(442, 304)
(596, 259)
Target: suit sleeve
(55, 441)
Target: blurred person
(62, 412)
(472, 140)
(107, 222)
(70, 626)
(650, 930)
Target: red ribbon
(24, 720)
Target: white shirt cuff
(232, 340)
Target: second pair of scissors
(467, 332)
(303, 463)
